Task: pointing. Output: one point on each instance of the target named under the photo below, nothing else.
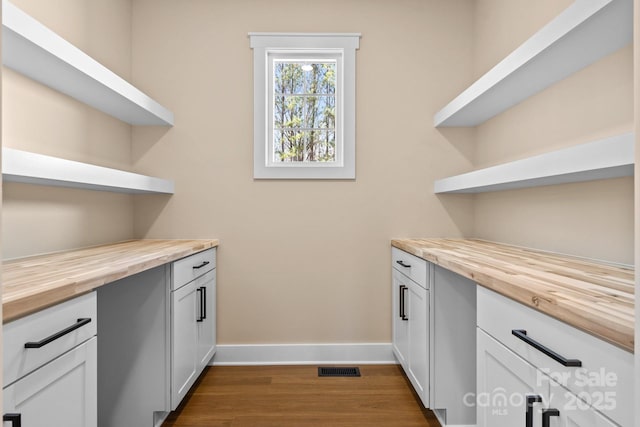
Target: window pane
(288, 77)
(321, 112)
(321, 146)
(304, 111)
(304, 77)
(293, 145)
(321, 78)
(288, 111)
(308, 112)
(288, 145)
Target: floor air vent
(338, 372)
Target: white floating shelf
(586, 31)
(32, 49)
(607, 158)
(31, 168)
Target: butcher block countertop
(595, 297)
(33, 283)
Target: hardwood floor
(270, 396)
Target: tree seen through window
(304, 109)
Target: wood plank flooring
(270, 396)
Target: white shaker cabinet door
(506, 384)
(400, 323)
(418, 314)
(206, 324)
(60, 393)
(184, 306)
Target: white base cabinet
(571, 379)
(50, 367)
(193, 320)
(513, 393)
(61, 393)
(157, 334)
(478, 358)
(410, 319)
(417, 311)
(193, 331)
(433, 328)
(183, 347)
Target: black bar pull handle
(203, 302)
(400, 301)
(80, 323)
(547, 414)
(403, 264)
(404, 303)
(531, 399)
(200, 318)
(201, 265)
(522, 335)
(16, 419)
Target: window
(304, 105)
(303, 110)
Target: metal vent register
(338, 372)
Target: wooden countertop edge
(39, 299)
(619, 334)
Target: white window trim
(345, 44)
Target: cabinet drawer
(411, 266)
(605, 377)
(187, 269)
(20, 361)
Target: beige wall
(500, 26)
(36, 118)
(587, 219)
(302, 261)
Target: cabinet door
(567, 410)
(400, 326)
(418, 314)
(505, 382)
(60, 393)
(206, 325)
(184, 313)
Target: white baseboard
(303, 354)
